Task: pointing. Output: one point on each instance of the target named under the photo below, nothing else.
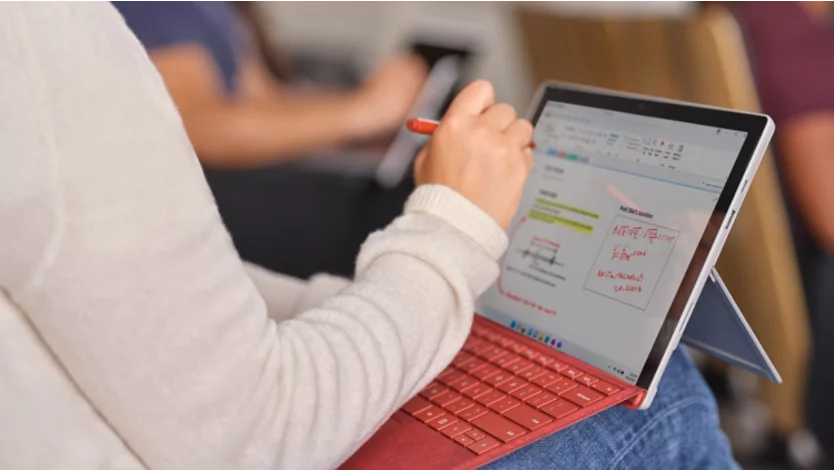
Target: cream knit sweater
(132, 335)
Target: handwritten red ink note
(637, 232)
(631, 261)
(635, 277)
(624, 253)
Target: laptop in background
(389, 161)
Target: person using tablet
(132, 336)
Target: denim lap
(679, 431)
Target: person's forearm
(176, 352)
(285, 296)
(248, 134)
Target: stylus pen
(427, 127)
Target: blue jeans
(679, 431)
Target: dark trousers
(299, 222)
(820, 289)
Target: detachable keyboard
(497, 389)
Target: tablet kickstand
(717, 328)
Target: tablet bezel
(754, 125)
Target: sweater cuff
(449, 205)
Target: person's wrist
(360, 115)
(463, 214)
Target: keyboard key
(429, 413)
(519, 367)
(528, 417)
(485, 372)
(463, 440)
(445, 399)
(588, 380)
(472, 365)
(485, 444)
(543, 360)
(542, 399)
(462, 358)
(442, 421)
(561, 386)
(559, 409)
(467, 381)
(512, 385)
(485, 346)
(474, 412)
(582, 396)
(572, 373)
(518, 348)
(472, 343)
(432, 390)
(505, 360)
(491, 397)
(505, 405)
(493, 336)
(456, 429)
(459, 405)
(448, 378)
(477, 390)
(492, 353)
(506, 342)
(532, 373)
(530, 354)
(557, 365)
(479, 330)
(476, 434)
(605, 388)
(524, 393)
(416, 405)
(448, 370)
(499, 378)
(499, 427)
(546, 379)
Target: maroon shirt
(792, 55)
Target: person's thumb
(473, 100)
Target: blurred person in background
(247, 128)
(792, 48)
(236, 113)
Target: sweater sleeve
(285, 296)
(113, 247)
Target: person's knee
(682, 434)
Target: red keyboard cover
(497, 390)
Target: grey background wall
(374, 29)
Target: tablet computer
(622, 219)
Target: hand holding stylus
(481, 150)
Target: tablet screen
(612, 214)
